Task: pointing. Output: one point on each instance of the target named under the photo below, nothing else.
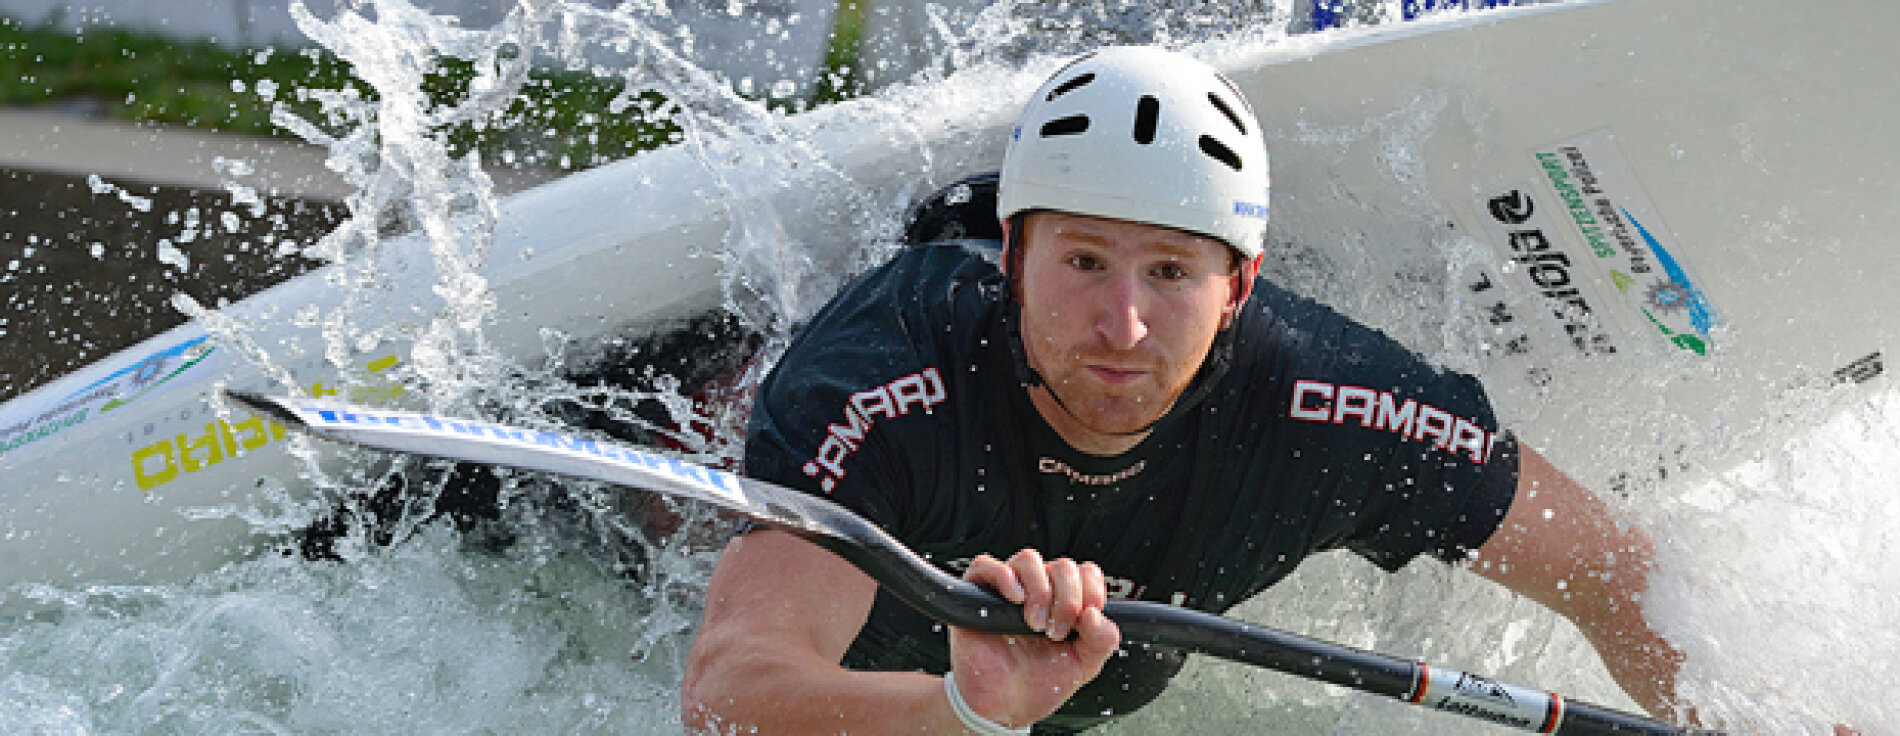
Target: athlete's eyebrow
(1173, 243)
(1183, 246)
(1078, 232)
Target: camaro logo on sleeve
(1319, 401)
(922, 390)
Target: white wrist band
(973, 720)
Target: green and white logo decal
(1631, 246)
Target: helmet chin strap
(1213, 367)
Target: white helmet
(1142, 134)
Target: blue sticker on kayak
(1627, 240)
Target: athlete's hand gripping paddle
(928, 589)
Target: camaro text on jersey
(920, 390)
(1320, 401)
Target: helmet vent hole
(1220, 152)
(1070, 125)
(1147, 114)
(1071, 86)
(1222, 106)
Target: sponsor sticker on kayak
(1524, 226)
(1629, 245)
(193, 450)
(25, 424)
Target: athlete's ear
(1242, 288)
(1015, 228)
(1008, 249)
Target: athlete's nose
(1121, 321)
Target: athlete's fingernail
(1058, 632)
(1038, 617)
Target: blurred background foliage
(559, 120)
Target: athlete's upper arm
(1560, 544)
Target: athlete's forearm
(1560, 545)
(780, 614)
(758, 693)
(1608, 610)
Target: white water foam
(423, 639)
(1777, 576)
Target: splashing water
(568, 616)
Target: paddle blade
(546, 451)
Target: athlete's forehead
(1068, 228)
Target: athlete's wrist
(972, 720)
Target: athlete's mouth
(1116, 374)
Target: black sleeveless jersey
(902, 401)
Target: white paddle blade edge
(485, 442)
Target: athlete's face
(1117, 317)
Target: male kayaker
(1113, 404)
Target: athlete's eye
(1170, 271)
(1085, 262)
